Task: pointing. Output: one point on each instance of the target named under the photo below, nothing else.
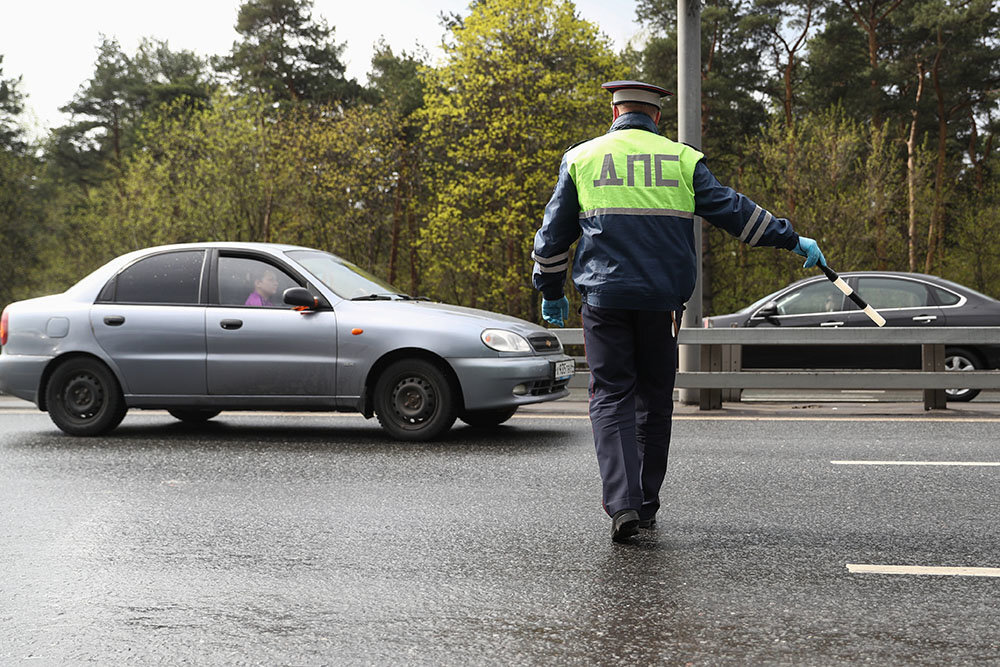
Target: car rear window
(170, 277)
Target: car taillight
(3, 327)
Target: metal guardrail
(721, 375)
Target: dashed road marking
(918, 463)
(924, 570)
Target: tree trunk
(911, 170)
(397, 214)
(268, 198)
(935, 233)
(411, 229)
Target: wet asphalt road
(316, 540)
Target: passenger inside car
(265, 285)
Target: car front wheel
(487, 418)
(84, 398)
(960, 359)
(414, 400)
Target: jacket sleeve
(737, 214)
(560, 229)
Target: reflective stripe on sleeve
(552, 269)
(658, 212)
(748, 227)
(561, 257)
(553, 264)
(761, 227)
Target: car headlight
(504, 341)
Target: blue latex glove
(810, 250)
(555, 312)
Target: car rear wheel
(83, 398)
(414, 400)
(487, 418)
(193, 416)
(960, 359)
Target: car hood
(733, 321)
(473, 317)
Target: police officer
(630, 196)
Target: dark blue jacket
(640, 258)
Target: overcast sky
(52, 44)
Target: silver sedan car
(199, 328)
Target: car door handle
(831, 324)
(925, 318)
(231, 324)
(114, 320)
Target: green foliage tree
(396, 83)
(21, 228)
(234, 170)
(974, 256)
(960, 44)
(106, 110)
(520, 84)
(11, 106)
(286, 54)
(733, 77)
(841, 176)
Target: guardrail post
(711, 361)
(732, 361)
(932, 358)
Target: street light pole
(689, 132)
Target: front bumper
(489, 383)
(21, 375)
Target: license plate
(564, 369)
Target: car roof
(937, 280)
(85, 287)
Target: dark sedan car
(903, 299)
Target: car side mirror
(767, 311)
(300, 297)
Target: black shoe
(624, 524)
(647, 524)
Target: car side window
(946, 298)
(170, 277)
(893, 292)
(817, 297)
(252, 283)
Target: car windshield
(344, 278)
(758, 303)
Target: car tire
(414, 400)
(84, 398)
(487, 418)
(193, 416)
(961, 359)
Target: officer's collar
(634, 120)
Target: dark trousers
(632, 356)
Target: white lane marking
(924, 570)
(917, 463)
(839, 418)
(739, 418)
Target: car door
(903, 303)
(257, 345)
(150, 319)
(813, 304)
